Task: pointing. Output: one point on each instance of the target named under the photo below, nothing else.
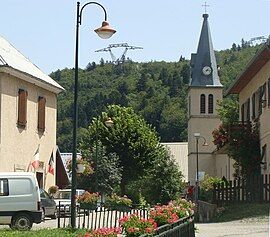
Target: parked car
(48, 205)
(63, 200)
(19, 200)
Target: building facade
(253, 88)
(28, 112)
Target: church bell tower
(204, 91)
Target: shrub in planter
(168, 214)
(206, 187)
(134, 226)
(163, 215)
(115, 202)
(53, 190)
(88, 200)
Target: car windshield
(63, 195)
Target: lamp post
(108, 123)
(105, 32)
(197, 137)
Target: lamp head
(205, 144)
(197, 134)
(105, 31)
(109, 122)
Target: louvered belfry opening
(202, 104)
(41, 113)
(22, 108)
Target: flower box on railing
(88, 206)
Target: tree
(242, 139)
(107, 172)
(161, 182)
(131, 138)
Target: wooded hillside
(156, 90)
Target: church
(199, 155)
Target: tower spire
(203, 63)
(205, 7)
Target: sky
(44, 31)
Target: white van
(19, 200)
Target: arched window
(210, 104)
(202, 104)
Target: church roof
(13, 60)
(205, 57)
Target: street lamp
(105, 32)
(198, 136)
(108, 123)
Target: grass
(242, 211)
(42, 232)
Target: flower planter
(122, 208)
(88, 206)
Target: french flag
(51, 165)
(35, 163)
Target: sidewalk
(241, 228)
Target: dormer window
(202, 104)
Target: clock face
(207, 70)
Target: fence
(253, 189)
(182, 228)
(94, 219)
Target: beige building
(253, 87)
(28, 110)
(205, 90)
(179, 151)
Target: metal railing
(182, 228)
(98, 218)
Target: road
(241, 228)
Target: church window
(22, 108)
(210, 104)
(202, 104)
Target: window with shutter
(22, 108)
(202, 104)
(41, 113)
(253, 106)
(210, 104)
(243, 113)
(248, 110)
(268, 87)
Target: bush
(115, 200)
(207, 185)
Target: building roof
(252, 68)
(13, 61)
(205, 56)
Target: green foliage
(115, 200)
(161, 182)
(244, 148)
(241, 139)
(131, 138)
(42, 232)
(107, 172)
(155, 90)
(207, 185)
(228, 110)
